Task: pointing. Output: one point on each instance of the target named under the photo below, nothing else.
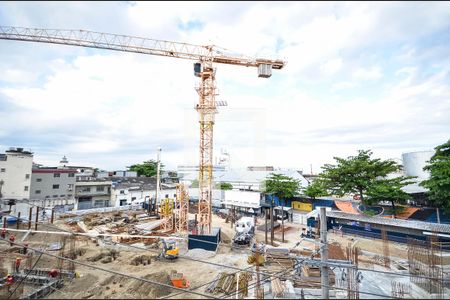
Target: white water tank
(414, 162)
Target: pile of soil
(146, 290)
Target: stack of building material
(310, 277)
(224, 283)
(279, 257)
(278, 288)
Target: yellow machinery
(169, 250)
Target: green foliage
(439, 182)
(147, 168)
(370, 213)
(283, 187)
(224, 186)
(355, 174)
(317, 188)
(389, 190)
(194, 183)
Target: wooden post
(53, 215)
(265, 217)
(29, 217)
(195, 224)
(4, 222)
(18, 220)
(271, 226)
(37, 218)
(282, 224)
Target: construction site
(175, 248)
(134, 254)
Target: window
(71, 174)
(167, 195)
(56, 175)
(2, 170)
(174, 195)
(133, 198)
(37, 192)
(100, 188)
(62, 196)
(69, 195)
(122, 192)
(38, 179)
(55, 196)
(25, 188)
(56, 186)
(86, 189)
(70, 187)
(27, 176)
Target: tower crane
(206, 56)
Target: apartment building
(52, 186)
(15, 174)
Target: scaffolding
(181, 223)
(166, 212)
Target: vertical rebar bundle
(183, 210)
(386, 255)
(352, 277)
(400, 290)
(425, 265)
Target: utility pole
(158, 176)
(324, 253)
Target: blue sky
(359, 75)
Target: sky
(358, 75)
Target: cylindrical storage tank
(414, 162)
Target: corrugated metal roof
(419, 225)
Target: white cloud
(113, 109)
(372, 73)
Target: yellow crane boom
(204, 55)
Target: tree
(147, 168)
(439, 182)
(224, 186)
(389, 190)
(283, 187)
(194, 183)
(355, 174)
(317, 188)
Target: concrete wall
(15, 172)
(92, 194)
(242, 199)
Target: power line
(110, 271)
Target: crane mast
(205, 57)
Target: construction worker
(18, 260)
(53, 273)
(3, 234)
(9, 281)
(11, 239)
